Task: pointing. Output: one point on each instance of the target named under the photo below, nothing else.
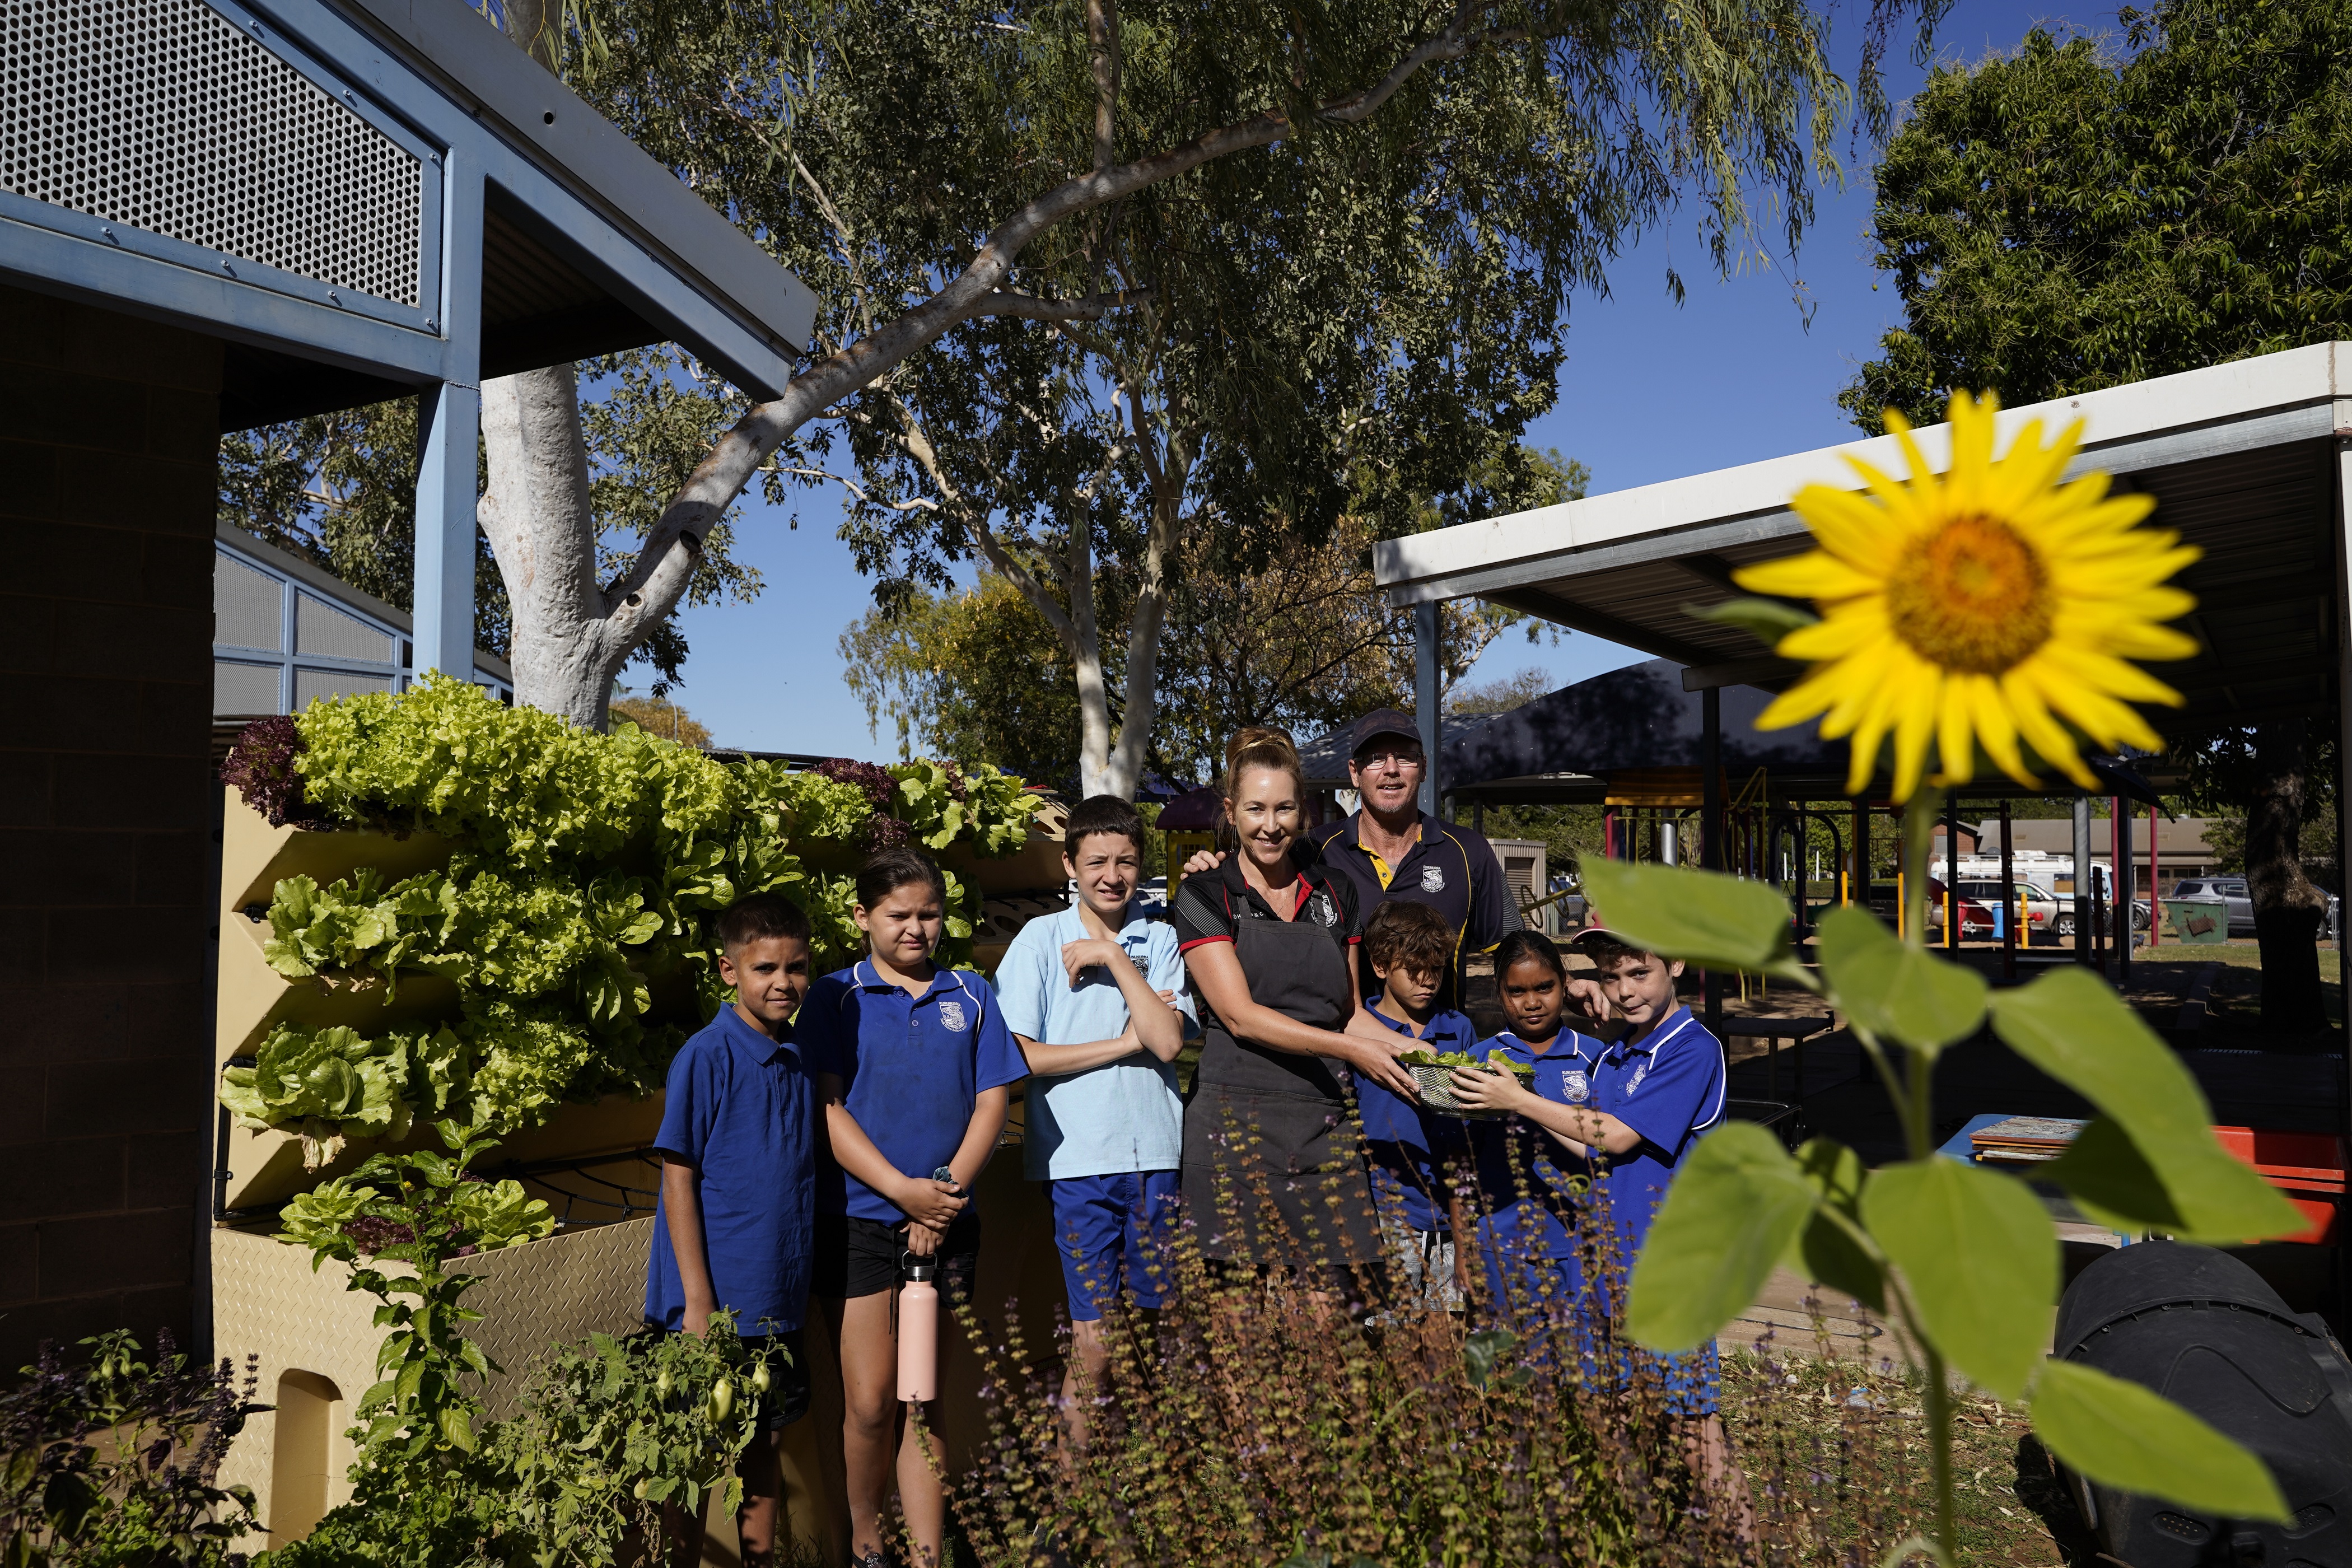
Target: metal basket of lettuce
(1432, 1075)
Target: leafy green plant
(426, 1211)
(113, 1461)
(572, 916)
(1965, 1257)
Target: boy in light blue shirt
(1094, 997)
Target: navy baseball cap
(1380, 721)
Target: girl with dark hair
(1269, 941)
(911, 1063)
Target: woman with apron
(1270, 947)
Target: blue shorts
(1116, 1233)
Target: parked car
(1976, 920)
(2043, 913)
(2229, 891)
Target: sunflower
(1982, 605)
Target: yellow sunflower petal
(2021, 692)
(1956, 733)
(1914, 727)
(1849, 527)
(1997, 730)
(1816, 574)
(1848, 629)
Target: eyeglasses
(1397, 756)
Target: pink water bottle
(919, 1332)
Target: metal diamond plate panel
(160, 115)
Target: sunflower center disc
(1971, 596)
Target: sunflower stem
(1919, 816)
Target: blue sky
(1651, 391)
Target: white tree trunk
(571, 635)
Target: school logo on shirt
(1325, 911)
(1433, 879)
(951, 1015)
(1579, 1087)
(1639, 1074)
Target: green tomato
(760, 1378)
(722, 1399)
(643, 1483)
(662, 1385)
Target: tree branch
(1103, 47)
(1092, 308)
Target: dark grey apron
(1266, 1126)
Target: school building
(217, 214)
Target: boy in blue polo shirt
(1088, 995)
(1412, 1152)
(1635, 1110)
(913, 1063)
(732, 1225)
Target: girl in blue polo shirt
(1531, 1185)
(911, 1065)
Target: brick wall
(108, 436)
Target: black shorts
(860, 1256)
(787, 1399)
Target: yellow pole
(1902, 905)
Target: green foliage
(427, 1211)
(571, 916)
(1896, 990)
(113, 1462)
(608, 1431)
(1964, 1256)
(1735, 1207)
(328, 1084)
(2122, 1435)
(1723, 922)
(2059, 219)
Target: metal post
(2343, 775)
(2011, 915)
(1951, 877)
(2126, 878)
(1710, 828)
(2155, 911)
(2082, 917)
(1858, 888)
(1424, 697)
(448, 458)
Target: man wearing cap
(1391, 849)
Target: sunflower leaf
(1896, 990)
(1979, 1263)
(1704, 917)
(1766, 620)
(2125, 1436)
(1732, 1212)
(2190, 1188)
(2073, 1028)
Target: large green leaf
(2197, 1192)
(1766, 620)
(2122, 1435)
(1979, 1263)
(1895, 991)
(1734, 1207)
(1705, 916)
(1826, 1251)
(2073, 1025)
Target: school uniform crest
(1577, 1087)
(1639, 1074)
(1433, 879)
(951, 1015)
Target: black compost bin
(2202, 1329)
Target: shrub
(571, 917)
(112, 1461)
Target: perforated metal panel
(311, 684)
(160, 115)
(319, 627)
(248, 606)
(244, 688)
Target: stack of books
(2026, 1140)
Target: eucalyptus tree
(1237, 253)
